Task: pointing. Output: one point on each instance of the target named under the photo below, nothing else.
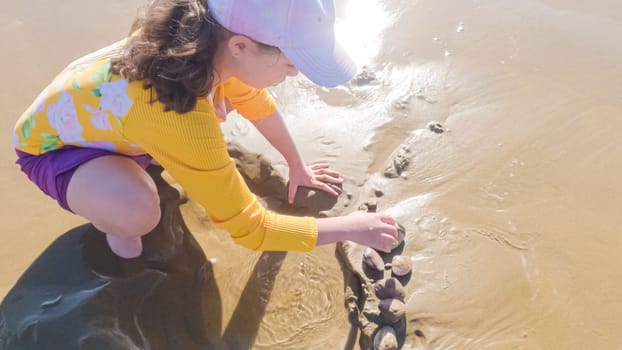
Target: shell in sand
(401, 265)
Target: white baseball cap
(304, 30)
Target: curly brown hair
(173, 52)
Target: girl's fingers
(323, 169)
(387, 219)
(390, 230)
(325, 187)
(329, 179)
(326, 171)
(383, 248)
(319, 166)
(389, 241)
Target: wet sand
(512, 212)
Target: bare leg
(119, 198)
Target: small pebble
(364, 78)
(385, 339)
(401, 234)
(436, 127)
(400, 162)
(390, 288)
(392, 310)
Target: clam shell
(401, 234)
(385, 339)
(391, 310)
(390, 288)
(372, 259)
(401, 265)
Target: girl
(161, 94)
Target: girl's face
(257, 65)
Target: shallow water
(512, 212)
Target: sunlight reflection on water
(360, 29)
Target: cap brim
(325, 67)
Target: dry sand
(513, 211)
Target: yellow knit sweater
(89, 106)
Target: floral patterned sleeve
(85, 105)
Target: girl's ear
(238, 45)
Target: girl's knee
(116, 195)
(150, 214)
(138, 215)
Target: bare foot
(125, 247)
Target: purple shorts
(53, 170)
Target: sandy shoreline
(514, 209)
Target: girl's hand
(314, 176)
(374, 230)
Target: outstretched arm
(371, 229)
(318, 176)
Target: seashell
(401, 265)
(401, 234)
(385, 339)
(390, 288)
(372, 259)
(392, 310)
